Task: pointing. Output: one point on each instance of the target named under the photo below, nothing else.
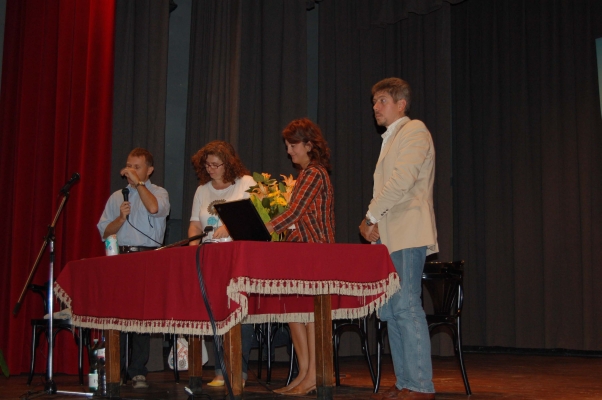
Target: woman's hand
(221, 233)
(195, 228)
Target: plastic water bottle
(93, 373)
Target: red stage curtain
(56, 112)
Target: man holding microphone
(137, 214)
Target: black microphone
(126, 195)
(71, 182)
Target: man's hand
(124, 210)
(370, 233)
(131, 175)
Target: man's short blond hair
(397, 88)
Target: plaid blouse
(311, 208)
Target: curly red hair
(304, 130)
(233, 166)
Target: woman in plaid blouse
(311, 211)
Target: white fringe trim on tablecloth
(236, 291)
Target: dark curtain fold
(273, 85)
(140, 89)
(213, 85)
(247, 81)
(56, 107)
(527, 133)
(352, 59)
(387, 12)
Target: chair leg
(379, 351)
(176, 372)
(291, 365)
(126, 348)
(260, 339)
(335, 344)
(459, 352)
(80, 356)
(268, 342)
(366, 347)
(34, 344)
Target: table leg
(233, 359)
(195, 364)
(112, 362)
(324, 364)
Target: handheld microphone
(71, 182)
(126, 195)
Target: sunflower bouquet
(271, 197)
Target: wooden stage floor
(491, 376)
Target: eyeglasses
(213, 166)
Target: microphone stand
(187, 240)
(49, 239)
(175, 345)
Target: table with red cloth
(250, 282)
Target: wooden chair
(444, 283)
(40, 326)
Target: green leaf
(282, 187)
(265, 217)
(258, 177)
(265, 202)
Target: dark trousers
(140, 343)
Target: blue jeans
(409, 337)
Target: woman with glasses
(223, 177)
(311, 211)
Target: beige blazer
(403, 189)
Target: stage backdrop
(56, 102)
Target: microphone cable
(128, 220)
(126, 193)
(217, 340)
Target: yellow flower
(261, 190)
(269, 196)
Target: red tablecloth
(251, 282)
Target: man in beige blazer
(401, 216)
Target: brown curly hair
(233, 166)
(304, 130)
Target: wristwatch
(140, 183)
(368, 222)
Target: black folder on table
(243, 221)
